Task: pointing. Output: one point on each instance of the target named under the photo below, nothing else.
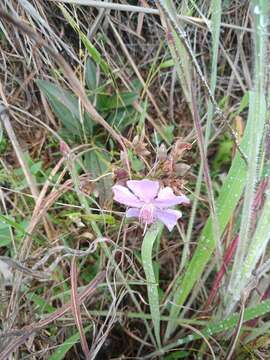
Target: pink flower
(149, 203)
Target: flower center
(147, 214)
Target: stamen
(145, 228)
(147, 214)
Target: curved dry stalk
(23, 269)
(75, 306)
(111, 6)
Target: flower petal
(124, 196)
(146, 190)
(132, 212)
(168, 217)
(166, 198)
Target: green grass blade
(255, 251)
(152, 285)
(179, 46)
(180, 56)
(92, 51)
(64, 104)
(62, 350)
(219, 327)
(257, 123)
(8, 221)
(229, 196)
(232, 321)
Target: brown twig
(23, 269)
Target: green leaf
(7, 223)
(7, 220)
(167, 63)
(136, 164)
(224, 153)
(97, 162)
(258, 118)
(41, 304)
(244, 103)
(108, 219)
(106, 102)
(66, 107)
(167, 131)
(91, 75)
(36, 168)
(177, 355)
(62, 350)
(257, 115)
(256, 248)
(122, 118)
(64, 104)
(5, 237)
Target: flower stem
(152, 285)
